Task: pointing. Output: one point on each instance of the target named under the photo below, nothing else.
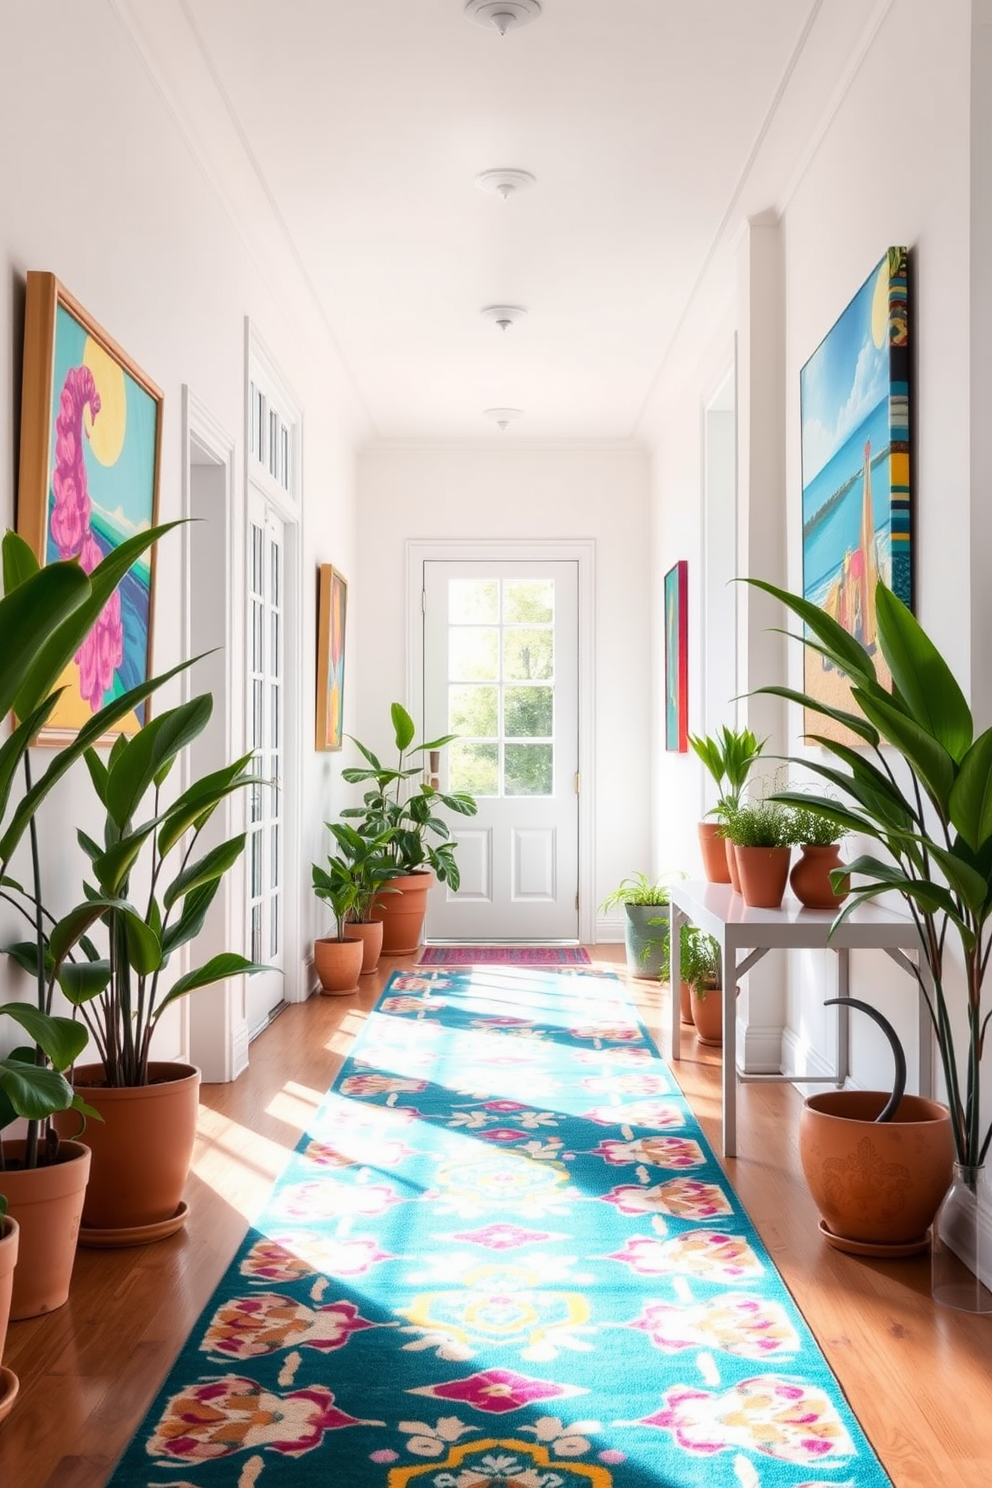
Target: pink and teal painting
(854, 396)
(677, 658)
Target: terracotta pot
(730, 853)
(9, 1236)
(142, 1150)
(685, 1004)
(810, 877)
(403, 912)
(47, 1204)
(339, 965)
(763, 872)
(876, 1183)
(715, 864)
(707, 1014)
(369, 933)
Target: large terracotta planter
(707, 1014)
(876, 1184)
(9, 1236)
(339, 965)
(369, 932)
(810, 877)
(714, 852)
(403, 912)
(763, 874)
(47, 1204)
(685, 1004)
(142, 1150)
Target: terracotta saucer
(135, 1234)
(878, 1249)
(9, 1386)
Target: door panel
(501, 671)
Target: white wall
(99, 186)
(512, 491)
(889, 164)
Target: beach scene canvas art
(92, 483)
(854, 396)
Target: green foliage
(759, 824)
(45, 615)
(637, 888)
(935, 834)
(407, 822)
(354, 875)
(699, 960)
(810, 828)
(729, 757)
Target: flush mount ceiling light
(503, 416)
(502, 15)
(504, 183)
(504, 315)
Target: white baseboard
(799, 1057)
(609, 930)
(759, 1049)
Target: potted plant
(687, 938)
(700, 969)
(410, 822)
(728, 756)
(876, 1164)
(45, 616)
(9, 1238)
(762, 833)
(818, 838)
(645, 931)
(350, 884)
(150, 887)
(936, 834)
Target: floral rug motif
(503, 955)
(503, 1256)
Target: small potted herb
(728, 756)
(818, 838)
(762, 832)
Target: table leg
(676, 919)
(842, 1062)
(728, 963)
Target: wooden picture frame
(91, 440)
(677, 657)
(332, 614)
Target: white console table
(723, 914)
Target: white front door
(501, 671)
(266, 733)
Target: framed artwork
(677, 658)
(332, 612)
(91, 435)
(854, 403)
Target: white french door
(501, 671)
(266, 733)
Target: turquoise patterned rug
(503, 1256)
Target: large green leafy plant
(408, 821)
(45, 615)
(355, 875)
(934, 820)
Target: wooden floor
(918, 1377)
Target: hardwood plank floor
(918, 1377)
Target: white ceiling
(646, 123)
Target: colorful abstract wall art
(91, 429)
(854, 399)
(677, 658)
(332, 609)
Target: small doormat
(509, 955)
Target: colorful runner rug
(502, 1257)
(509, 955)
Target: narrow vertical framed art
(332, 611)
(677, 657)
(91, 436)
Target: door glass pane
(528, 601)
(274, 927)
(528, 655)
(256, 715)
(529, 770)
(256, 560)
(529, 712)
(473, 601)
(474, 710)
(473, 654)
(256, 642)
(474, 768)
(256, 863)
(256, 932)
(274, 667)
